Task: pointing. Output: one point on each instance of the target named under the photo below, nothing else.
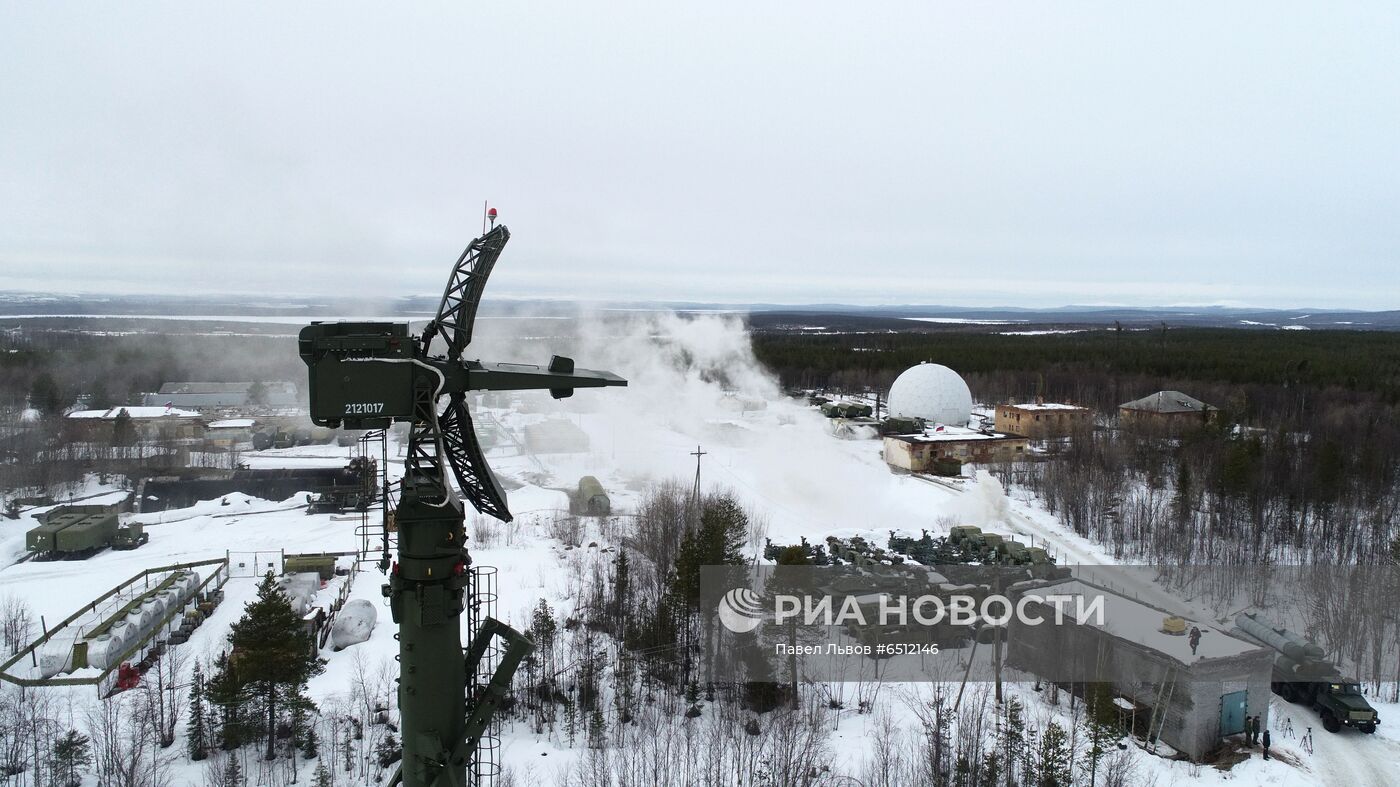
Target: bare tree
(16, 621)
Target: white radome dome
(932, 392)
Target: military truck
(1302, 674)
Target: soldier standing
(1266, 744)
(1249, 730)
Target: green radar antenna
(367, 375)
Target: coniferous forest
(1303, 467)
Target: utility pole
(697, 453)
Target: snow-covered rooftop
(1046, 406)
(1132, 620)
(232, 423)
(952, 434)
(136, 412)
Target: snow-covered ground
(781, 460)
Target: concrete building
(230, 432)
(148, 423)
(1190, 701)
(919, 453)
(1039, 420)
(1167, 411)
(196, 395)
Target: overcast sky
(1026, 154)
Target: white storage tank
(138, 621)
(55, 657)
(354, 623)
(102, 650)
(188, 584)
(154, 608)
(122, 638)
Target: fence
(156, 638)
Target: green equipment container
(322, 565)
(89, 534)
(43, 537)
(1014, 551)
(961, 533)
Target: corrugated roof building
(204, 395)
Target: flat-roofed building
(921, 452)
(1039, 420)
(146, 423)
(1189, 697)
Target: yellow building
(1042, 419)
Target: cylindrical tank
(1302, 654)
(121, 635)
(188, 584)
(138, 621)
(1281, 639)
(354, 623)
(54, 658)
(102, 649)
(154, 608)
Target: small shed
(592, 497)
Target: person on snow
(1195, 639)
(1266, 744)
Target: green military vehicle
(1303, 675)
(130, 537)
(79, 531)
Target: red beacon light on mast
(491, 214)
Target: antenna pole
(483, 216)
(697, 453)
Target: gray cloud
(950, 153)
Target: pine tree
(597, 729)
(1100, 726)
(225, 692)
(274, 653)
(388, 751)
(123, 429)
(618, 605)
(990, 776)
(1052, 768)
(233, 771)
(45, 396)
(72, 754)
(320, 777)
(1011, 731)
(196, 733)
(962, 772)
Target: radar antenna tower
(367, 375)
